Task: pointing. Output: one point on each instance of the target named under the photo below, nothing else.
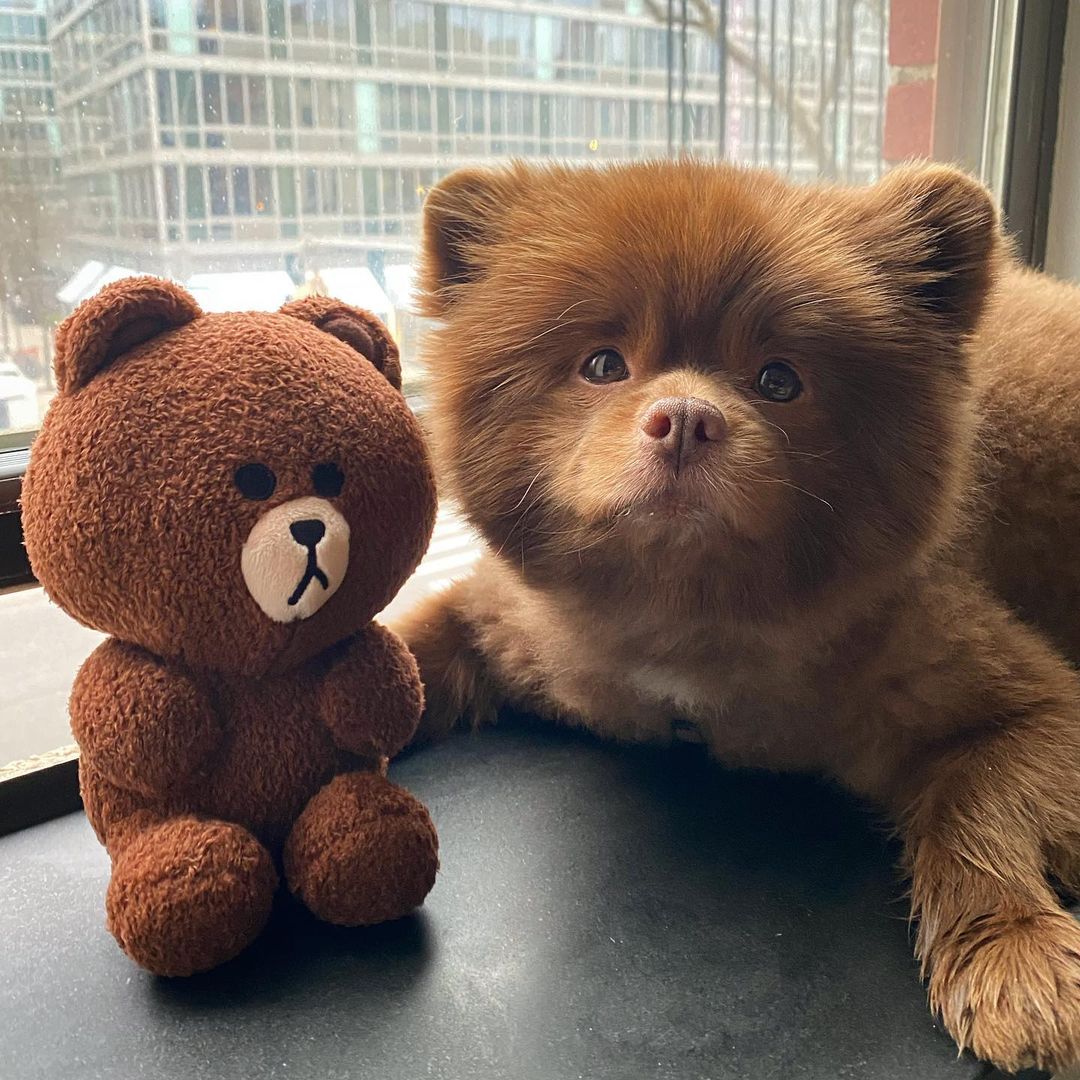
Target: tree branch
(800, 114)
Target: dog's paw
(1009, 990)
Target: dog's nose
(308, 531)
(683, 428)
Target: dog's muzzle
(295, 558)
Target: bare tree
(808, 119)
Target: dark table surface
(602, 912)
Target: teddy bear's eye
(328, 479)
(255, 481)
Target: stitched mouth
(311, 573)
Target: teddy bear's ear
(115, 320)
(359, 329)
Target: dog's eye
(778, 382)
(328, 479)
(255, 481)
(604, 366)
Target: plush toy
(233, 497)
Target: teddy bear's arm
(371, 698)
(144, 726)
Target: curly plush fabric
(195, 472)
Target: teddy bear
(233, 498)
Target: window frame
(41, 788)
(14, 566)
(1038, 66)
(1026, 59)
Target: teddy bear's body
(252, 751)
(233, 498)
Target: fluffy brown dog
(791, 464)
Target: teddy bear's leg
(188, 894)
(363, 851)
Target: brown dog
(792, 464)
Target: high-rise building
(241, 146)
(245, 135)
(29, 142)
(30, 191)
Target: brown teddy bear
(233, 497)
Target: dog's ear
(360, 330)
(115, 320)
(936, 235)
(464, 216)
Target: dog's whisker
(517, 524)
(787, 438)
(796, 487)
(524, 496)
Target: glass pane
(264, 191)
(196, 198)
(164, 98)
(230, 15)
(252, 16)
(219, 192)
(287, 192)
(282, 105)
(172, 192)
(241, 190)
(234, 94)
(164, 149)
(46, 648)
(185, 95)
(305, 109)
(256, 85)
(211, 90)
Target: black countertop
(602, 912)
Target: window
(234, 95)
(241, 190)
(256, 88)
(230, 15)
(282, 105)
(305, 108)
(233, 136)
(219, 192)
(264, 192)
(211, 95)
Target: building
(238, 134)
(30, 190)
(29, 138)
(225, 137)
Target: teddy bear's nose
(308, 532)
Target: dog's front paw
(457, 685)
(1008, 989)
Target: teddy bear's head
(236, 491)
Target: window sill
(600, 911)
(39, 789)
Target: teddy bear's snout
(295, 558)
(308, 531)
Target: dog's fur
(877, 581)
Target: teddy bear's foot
(189, 894)
(364, 851)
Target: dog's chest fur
(752, 701)
(751, 704)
